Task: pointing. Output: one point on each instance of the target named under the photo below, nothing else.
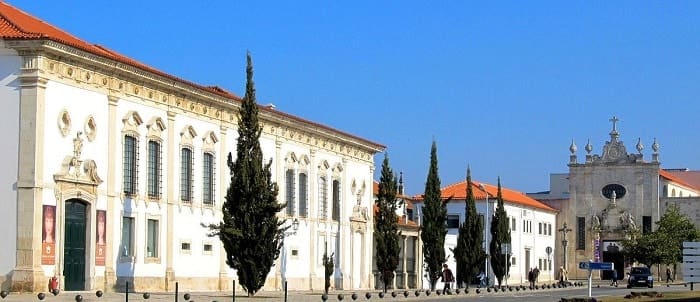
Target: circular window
(619, 190)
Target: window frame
(130, 166)
(186, 175)
(155, 170)
(208, 178)
(127, 245)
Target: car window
(640, 270)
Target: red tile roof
(15, 24)
(669, 176)
(458, 192)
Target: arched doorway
(74, 245)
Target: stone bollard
(393, 294)
(354, 296)
(55, 292)
(324, 297)
(427, 292)
(381, 295)
(187, 296)
(146, 296)
(41, 296)
(417, 293)
(341, 297)
(405, 294)
(99, 293)
(78, 298)
(4, 294)
(368, 295)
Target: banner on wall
(48, 235)
(100, 239)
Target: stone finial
(589, 147)
(614, 134)
(640, 147)
(655, 146)
(573, 147)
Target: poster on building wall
(100, 237)
(48, 235)
(596, 250)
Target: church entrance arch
(612, 252)
(74, 249)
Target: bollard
(457, 291)
(98, 293)
(146, 296)
(41, 296)
(126, 294)
(4, 294)
(368, 295)
(233, 299)
(478, 290)
(381, 295)
(324, 297)
(78, 298)
(187, 296)
(55, 292)
(417, 293)
(285, 290)
(427, 292)
(354, 296)
(177, 285)
(341, 297)
(405, 294)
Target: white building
(532, 225)
(117, 165)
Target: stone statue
(596, 222)
(77, 145)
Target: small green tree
(328, 270)
(433, 226)
(386, 230)
(674, 228)
(469, 253)
(500, 234)
(250, 231)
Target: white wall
(9, 158)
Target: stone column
(110, 277)
(171, 200)
(28, 274)
(223, 186)
(279, 178)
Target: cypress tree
(500, 234)
(250, 231)
(386, 230)
(469, 253)
(433, 227)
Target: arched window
(673, 192)
(289, 191)
(322, 198)
(303, 196)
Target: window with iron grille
(130, 164)
(322, 198)
(289, 191)
(336, 200)
(154, 169)
(580, 233)
(208, 179)
(302, 195)
(186, 175)
(646, 225)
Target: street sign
(605, 266)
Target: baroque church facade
(118, 166)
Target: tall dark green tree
(433, 226)
(500, 234)
(386, 229)
(250, 231)
(469, 253)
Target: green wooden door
(74, 246)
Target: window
(130, 164)
(512, 223)
(539, 265)
(512, 261)
(302, 194)
(539, 225)
(646, 225)
(322, 196)
(289, 191)
(207, 249)
(452, 221)
(336, 200)
(152, 238)
(186, 246)
(186, 175)
(482, 222)
(154, 169)
(549, 229)
(127, 245)
(208, 179)
(580, 233)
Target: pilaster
(223, 275)
(171, 200)
(311, 205)
(28, 274)
(110, 277)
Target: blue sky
(501, 86)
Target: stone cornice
(75, 67)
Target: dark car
(640, 276)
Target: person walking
(668, 275)
(447, 277)
(536, 275)
(531, 278)
(482, 279)
(614, 278)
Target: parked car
(640, 276)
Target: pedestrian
(482, 279)
(668, 275)
(614, 278)
(562, 275)
(531, 278)
(447, 277)
(536, 274)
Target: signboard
(691, 262)
(605, 266)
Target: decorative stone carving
(90, 128)
(64, 123)
(155, 127)
(209, 140)
(76, 170)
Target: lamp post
(295, 227)
(564, 243)
(486, 234)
